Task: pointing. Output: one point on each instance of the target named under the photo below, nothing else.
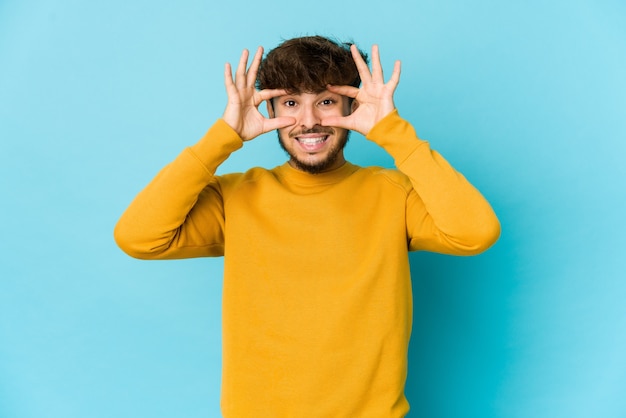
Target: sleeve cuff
(216, 145)
(396, 136)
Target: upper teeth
(310, 141)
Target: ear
(270, 108)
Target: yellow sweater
(317, 297)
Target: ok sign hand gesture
(374, 100)
(242, 111)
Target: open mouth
(312, 143)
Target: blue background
(526, 98)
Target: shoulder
(390, 176)
(254, 174)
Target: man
(317, 295)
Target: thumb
(278, 122)
(346, 122)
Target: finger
(228, 76)
(377, 69)
(240, 74)
(348, 91)
(269, 94)
(254, 67)
(277, 123)
(395, 75)
(361, 66)
(346, 122)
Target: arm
(180, 213)
(445, 213)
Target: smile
(312, 143)
(312, 140)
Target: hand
(374, 100)
(242, 111)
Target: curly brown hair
(308, 64)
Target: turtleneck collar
(296, 177)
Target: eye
(289, 103)
(327, 102)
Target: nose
(309, 117)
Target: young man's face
(312, 147)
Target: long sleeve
(445, 213)
(179, 214)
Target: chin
(318, 165)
